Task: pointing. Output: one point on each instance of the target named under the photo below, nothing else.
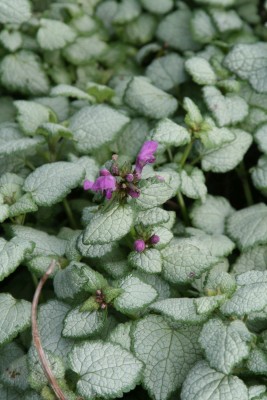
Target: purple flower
(105, 183)
(139, 245)
(104, 172)
(129, 177)
(154, 239)
(146, 155)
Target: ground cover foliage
(133, 142)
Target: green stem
(242, 173)
(30, 165)
(170, 154)
(186, 153)
(69, 213)
(183, 208)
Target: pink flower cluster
(140, 245)
(107, 183)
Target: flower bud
(87, 184)
(154, 239)
(104, 172)
(139, 245)
(129, 177)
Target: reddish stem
(36, 337)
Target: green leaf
(93, 250)
(12, 254)
(249, 62)
(157, 282)
(218, 245)
(169, 133)
(12, 41)
(148, 261)
(168, 354)
(13, 142)
(167, 72)
(204, 382)
(227, 110)
(69, 91)
(54, 131)
(229, 155)
(95, 361)
(193, 184)
(257, 362)
(127, 11)
(215, 137)
(256, 390)
(108, 226)
(50, 323)
(136, 295)
(219, 281)
(259, 174)
(54, 35)
(85, 49)
(186, 259)
(17, 12)
(22, 206)
(161, 7)
(174, 29)
(261, 138)
(247, 227)
(93, 279)
(9, 393)
(15, 317)
(16, 374)
(22, 72)
(254, 258)
(31, 115)
(37, 378)
(121, 335)
(148, 100)
(201, 71)
(182, 310)
(96, 125)
(153, 193)
(78, 324)
(203, 30)
(210, 216)
(9, 353)
(152, 216)
(226, 21)
(50, 183)
(141, 30)
(100, 92)
(225, 344)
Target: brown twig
(36, 337)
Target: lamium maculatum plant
(133, 184)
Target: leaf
(257, 362)
(22, 72)
(85, 49)
(168, 355)
(22, 206)
(50, 323)
(31, 115)
(93, 250)
(15, 317)
(169, 133)
(136, 295)
(121, 335)
(95, 361)
(254, 258)
(186, 258)
(157, 282)
(193, 184)
(148, 261)
(148, 100)
(12, 41)
(247, 227)
(153, 193)
(108, 226)
(182, 310)
(161, 7)
(167, 72)
(78, 324)
(69, 91)
(226, 21)
(229, 155)
(44, 244)
(17, 12)
(201, 71)
(9, 393)
(50, 183)
(141, 30)
(203, 29)
(12, 254)
(211, 215)
(225, 345)
(152, 216)
(261, 138)
(218, 245)
(204, 382)
(259, 174)
(9, 353)
(227, 110)
(96, 125)
(174, 29)
(127, 11)
(249, 62)
(16, 373)
(100, 92)
(53, 34)
(12, 142)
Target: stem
(170, 154)
(183, 207)
(30, 165)
(36, 337)
(242, 173)
(69, 214)
(186, 153)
